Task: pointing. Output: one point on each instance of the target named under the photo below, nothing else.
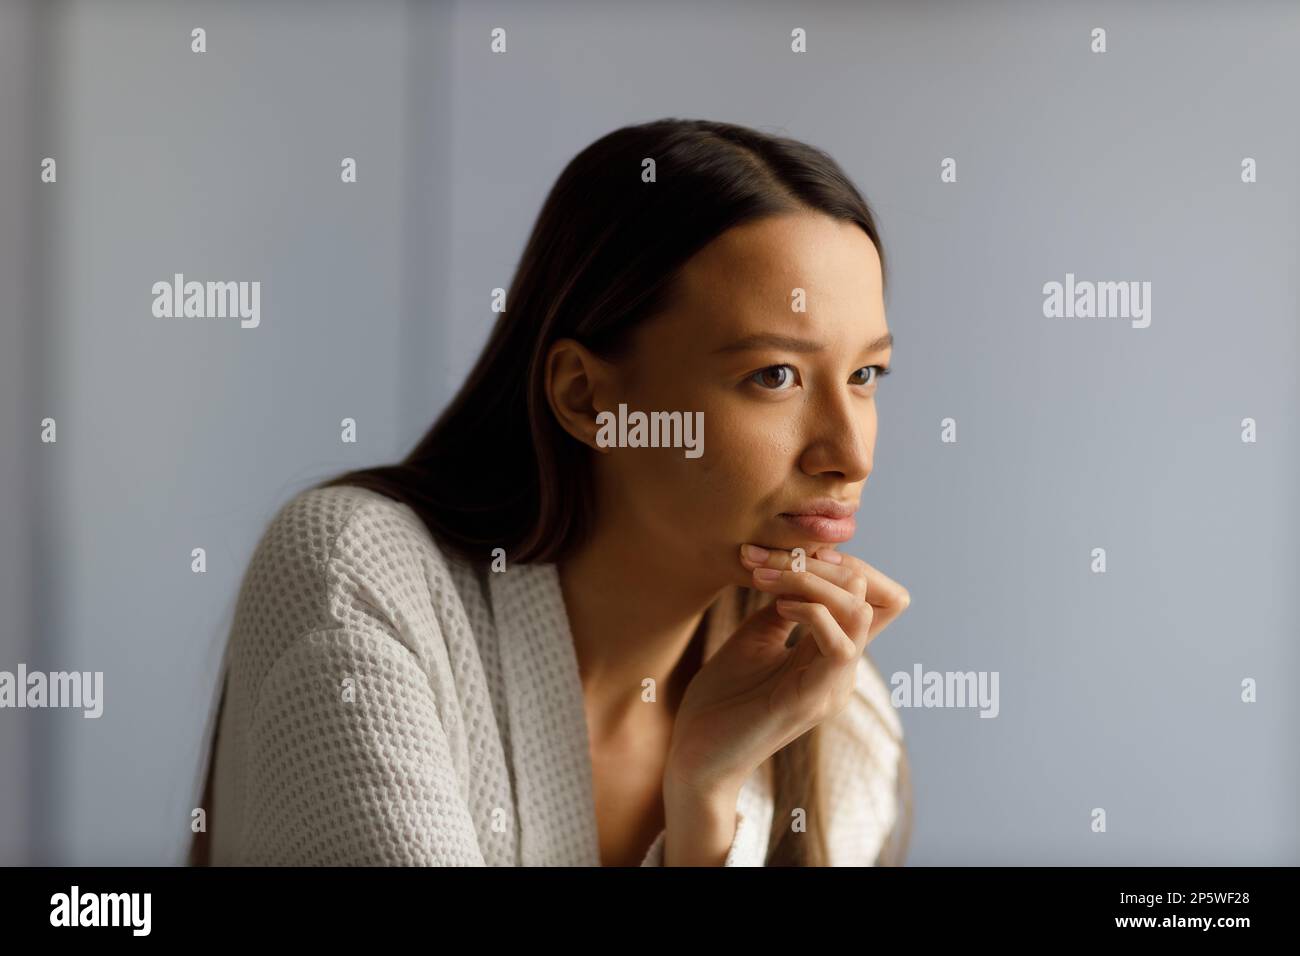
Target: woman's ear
(577, 389)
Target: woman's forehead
(760, 266)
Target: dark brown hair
(603, 257)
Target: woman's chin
(789, 543)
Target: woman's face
(786, 382)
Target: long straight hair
(603, 257)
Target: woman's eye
(774, 377)
(879, 370)
(779, 378)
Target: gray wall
(20, 357)
(1118, 690)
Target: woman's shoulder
(337, 556)
(873, 693)
(869, 722)
(368, 532)
(333, 522)
(865, 769)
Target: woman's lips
(831, 530)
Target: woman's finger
(820, 678)
(852, 614)
(836, 647)
(887, 597)
(848, 577)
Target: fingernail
(767, 574)
(755, 553)
(830, 557)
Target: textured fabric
(388, 703)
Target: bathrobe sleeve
(348, 761)
(748, 847)
(862, 757)
(864, 772)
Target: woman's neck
(631, 618)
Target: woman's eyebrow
(791, 344)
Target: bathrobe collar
(549, 737)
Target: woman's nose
(842, 441)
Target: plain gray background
(1118, 690)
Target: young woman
(597, 616)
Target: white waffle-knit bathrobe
(390, 703)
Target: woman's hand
(755, 695)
